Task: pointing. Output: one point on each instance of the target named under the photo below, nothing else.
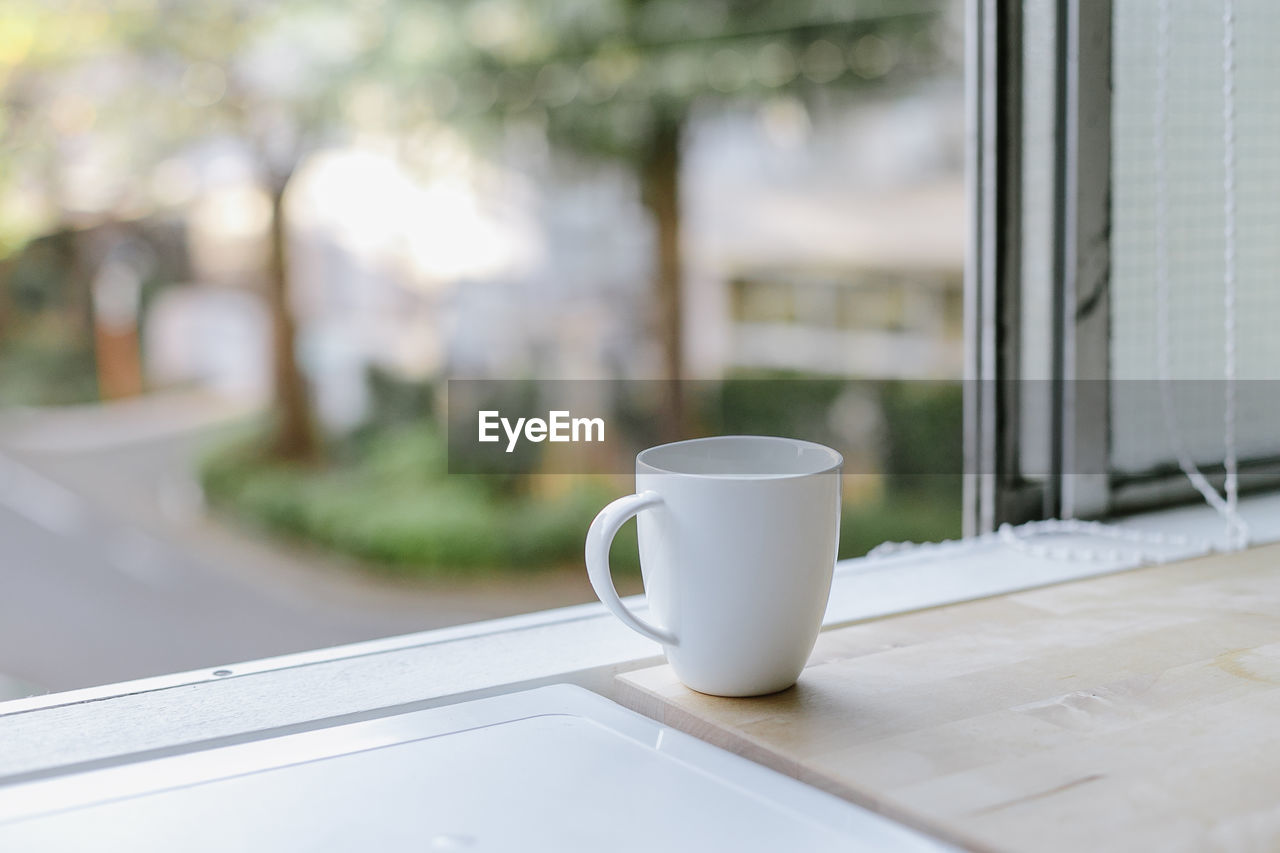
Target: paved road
(109, 569)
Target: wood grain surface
(1137, 711)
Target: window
(1046, 179)
(1066, 417)
(244, 247)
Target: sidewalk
(113, 486)
(103, 426)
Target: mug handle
(599, 538)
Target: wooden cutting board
(1138, 711)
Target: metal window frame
(47, 736)
(995, 400)
(993, 169)
(1083, 258)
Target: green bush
(392, 504)
(925, 514)
(44, 367)
(389, 501)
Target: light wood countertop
(1136, 711)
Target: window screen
(1194, 192)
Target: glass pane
(245, 246)
(1193, 132)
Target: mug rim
(836, 459)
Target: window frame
(584, 644)
(998, 396)
(998, 489)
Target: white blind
(1194, 145)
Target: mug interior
(741, 456)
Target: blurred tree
(33, 198)
(620, 78)
(99, 96)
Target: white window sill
(44, 735)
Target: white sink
(556, 769)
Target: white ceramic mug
(738, 539)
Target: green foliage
(925, 428)
(778, 403)
(600, 76)
(927, 512)
(392, 505)
(395, 401)
(397, 508)
(38, 368)
(606, 76)
(919, 447)
(922, 421)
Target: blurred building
(823, 239)
(830, 244)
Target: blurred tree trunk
(119, 362)
(115, 292)
(78, 305)
(7, 265)
(660, 191)
(295, 436)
